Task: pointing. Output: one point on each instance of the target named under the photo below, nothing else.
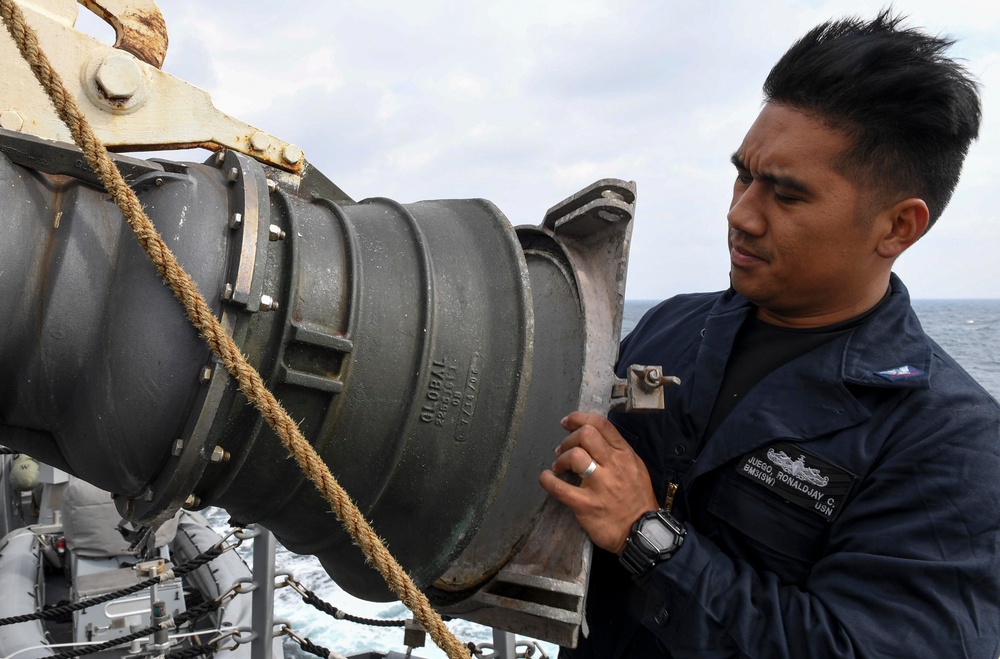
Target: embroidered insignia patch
(799, 477)
(901, 373)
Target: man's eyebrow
(774, 179)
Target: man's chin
(748, 287)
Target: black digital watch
(655, 537)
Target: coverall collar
(807, 397)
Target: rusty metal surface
(138, 24)
(641, 390)
(130, 103)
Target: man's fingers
(576, 420)
(573, 497)
(576, 460)
(594, 433)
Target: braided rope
(57, 611)
(193, 613)
(312, 600)
(201, 316)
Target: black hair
(909, 110)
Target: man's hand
(615, 494)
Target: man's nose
(746, 212)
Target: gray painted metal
(428, 349)
(20, 572)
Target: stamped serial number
(450, 401)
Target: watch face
(658, 534)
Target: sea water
(969, 330)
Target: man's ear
(904, 223)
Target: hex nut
(11, 120)
(267, 303)
(291, 154)
(259, 141)
(119, 77)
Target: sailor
(825, 482)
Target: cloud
(524, 103)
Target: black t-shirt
(760, 348)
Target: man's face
(800, 246)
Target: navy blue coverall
(848, 506)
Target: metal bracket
(641, 390)
(606, 202)
(131, 104)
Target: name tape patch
(799, 477)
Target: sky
(525, 103)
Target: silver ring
(586, 473)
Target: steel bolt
(192, 501)
(148, 494)
(11, 120)
(178, 447)
(272, 186)
(205, 375)
(268, 303)
(158, 182)
(274, 232)
(119, 77)
(291, 154)
(219, 455)
(227, 292)
(259, 141)
(220, 157)
(233, 174)
(235, 220)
